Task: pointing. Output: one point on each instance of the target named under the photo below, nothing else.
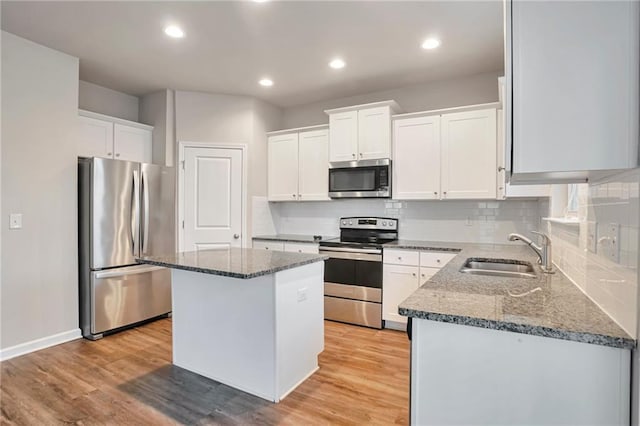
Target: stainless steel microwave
(360, 179)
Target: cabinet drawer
(268, 245)
(301, 247)
(401, 257)
(434, 259)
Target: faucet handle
(545, 237)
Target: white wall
(458, 221)
(107, 101)
(477, 89)
(228, 119)
(39, 262)
(612, 284)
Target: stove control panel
(382, 223)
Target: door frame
(180, 185)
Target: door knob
(236, 236)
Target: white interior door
(212, 186)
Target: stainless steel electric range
(353, 272)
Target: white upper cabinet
(572, 88)
(110, 137)
(298, 165)
(282, 167)
(343, 134)
(469, 155)
(361, 132)
(95, 138)
(313, 165)
(131, 143)
(416, 158)
(374, 133)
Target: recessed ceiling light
(174, 31)
(430, 43)
(266, 82)
(337, 64)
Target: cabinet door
(469, 155)
(343, 136)
(313, 165)
(282, 167)
(268, 245)
(301, 248)
(416, 158)
(131, 143)
(575, 89)
(398, 283)
(374, 133)
(426, 273)
(95, 138)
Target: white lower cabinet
(403, 271)
(285, 246)
(463, 375)
(268, 245)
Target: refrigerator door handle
(127, 271)
(135, 214)
(145, 215)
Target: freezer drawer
(128, 295)
(368, 314)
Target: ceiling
(230, 45)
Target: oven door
(362, 179)
(353, 287)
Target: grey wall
(39, 262)
(107, 101)
(155, 110)
(476, 89)
(233, 120)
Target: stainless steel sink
(498, 267)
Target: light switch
(15, 221)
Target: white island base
(260, 335)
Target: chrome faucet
(543, 252)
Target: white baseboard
(395, 325)
(37, 344)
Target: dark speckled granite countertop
(549, 305)
(233, 262)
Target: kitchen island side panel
(476, 376)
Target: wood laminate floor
(128, 379)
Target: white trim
(180, 184)
(393, 104)
(298, 129)
(464, 108)
(38, 344)
(103, 117)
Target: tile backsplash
(600, 254)
(458, 221)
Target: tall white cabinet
(571, 88)
(298, 164)
(110, 137)
(361, 132)
(445, 156)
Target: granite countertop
(549, 305)
(233, 262)
(293, 238)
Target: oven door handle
(350, 255)
(351, 250)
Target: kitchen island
(251, 319)
(504, 350)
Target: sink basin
(498, 268)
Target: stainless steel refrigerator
(125, 210)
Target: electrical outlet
(592, 237)
(609, 241)
(15, 221)
(302, 294)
